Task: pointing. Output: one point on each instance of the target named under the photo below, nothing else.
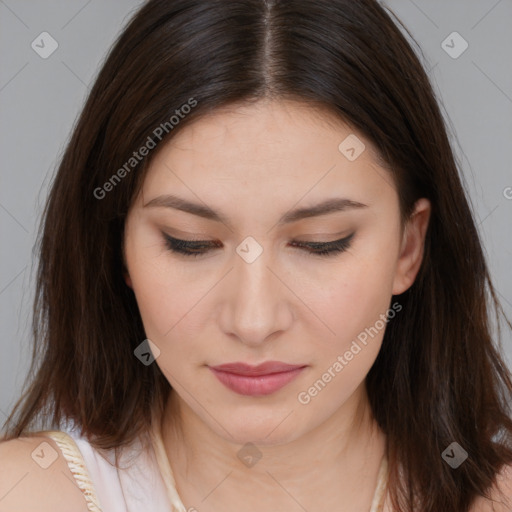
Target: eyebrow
(202, 210)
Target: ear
(126, 274)
(411, 251)
(127, 279)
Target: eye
(326, 248)
(188, 247)
(197, 248)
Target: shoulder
(500, 493)
(35, 476)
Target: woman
(261, 285)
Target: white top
(144, 478)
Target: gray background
(40, 100)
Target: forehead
(276, 150)
(264, 130)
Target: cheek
(160, 290)
(164, 299)
(354, 306)
(353, 296)
(173, 300)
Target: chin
(253, 428)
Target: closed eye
(197, 248)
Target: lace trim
(76, 465)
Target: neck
(338, 460)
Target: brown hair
(438, 378)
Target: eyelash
(190, 248)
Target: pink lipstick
(263, 379)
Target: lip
(259, 380)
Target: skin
(27, 485)
(253, 164)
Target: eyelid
(305, 242)
(196, 248)
(320, 242)
(189, 241)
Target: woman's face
(257, 295)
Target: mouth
(260, 380)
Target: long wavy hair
(439, 377)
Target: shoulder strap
(76, 465)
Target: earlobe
(128, 279)
(412, 245)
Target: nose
(258, 304)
